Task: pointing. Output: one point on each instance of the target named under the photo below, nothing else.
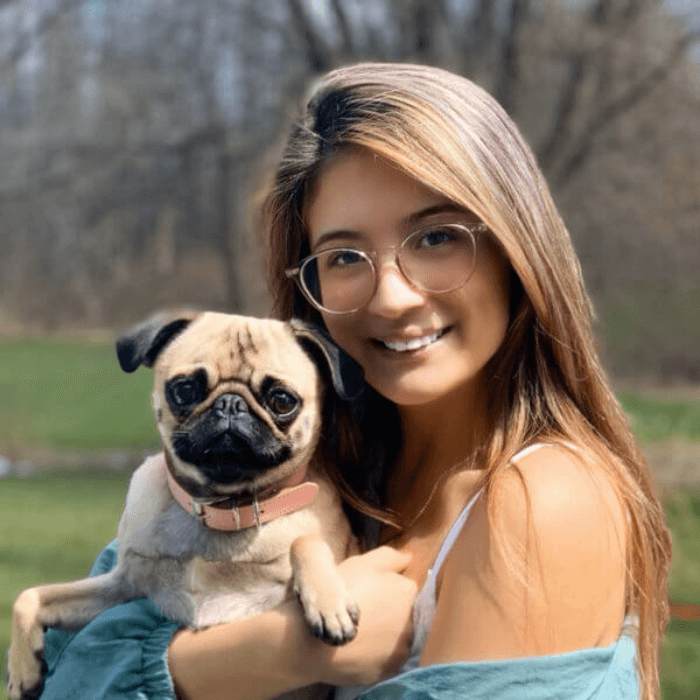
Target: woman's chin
(418, 390)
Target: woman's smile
(412, 344)
(415, 346)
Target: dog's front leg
(66, 606)
(328, 610)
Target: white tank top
(426, 600)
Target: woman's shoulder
(539, 567)
(558, 486)
(558, 507)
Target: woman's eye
(344, 258)
(435, 238)
(281, 402)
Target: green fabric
(591, 674)
(120, 655)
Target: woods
(133, 136)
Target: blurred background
(135, 133)
(132, 133)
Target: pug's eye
(185, 392)
(282, 403)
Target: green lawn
(657, 420)
(681, 653)
(64, 395)
(51, 527)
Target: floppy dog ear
(346, 374)
(143, 343)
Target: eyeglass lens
(438, 259)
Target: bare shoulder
(556, 494)
(540, 572)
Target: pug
(238, 517)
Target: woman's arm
(259, 657)
(563, 522)
(273, 653)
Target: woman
(408, 219)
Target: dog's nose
(230, 405)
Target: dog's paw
(25, 658)
(330, 615)
(25, 673)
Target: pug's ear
(346, 374)
(143, 343)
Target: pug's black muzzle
(229, 443)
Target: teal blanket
(592, 674)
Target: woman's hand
(385, 632)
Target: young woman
(408, 219)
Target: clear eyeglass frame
(296, 272)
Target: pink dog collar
(236, 517)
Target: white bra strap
(537, 445)
(529, 450)
(453, 534)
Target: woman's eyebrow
(442, 208)
(344, 235)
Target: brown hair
(546, 380)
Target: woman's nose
(394, 294)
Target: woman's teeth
(413, 344)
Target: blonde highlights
(546, 381)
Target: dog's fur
(198, 576)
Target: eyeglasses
(437, 259)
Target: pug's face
(238, 402)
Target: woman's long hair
(546, 381)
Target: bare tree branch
(427, 16)
(226, 227)
(559, 134)
(27, 39)
(341, 17)
(623, 103)
(508, 77)
(319, 55)
(484, 22)
(568, 104)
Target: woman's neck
(438, 439)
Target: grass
(62, 395)
(51, 528)
(680, 667)
(658, 420)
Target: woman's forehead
(358, 193)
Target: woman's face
(363, 202)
